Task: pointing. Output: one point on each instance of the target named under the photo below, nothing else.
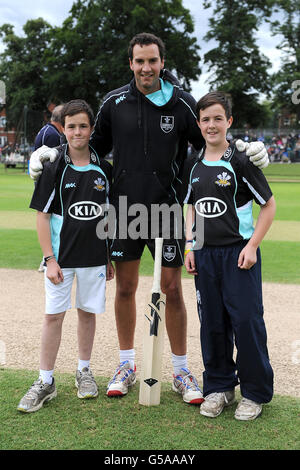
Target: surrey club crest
(223, 179)
(166, 123)
(169, 252)
(99, 184)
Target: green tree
(22, 67)
(285, 95)
(236, 64)
(87, 56)
(89, 53)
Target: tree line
(87, 56)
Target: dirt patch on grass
(21, 315)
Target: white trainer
(186, 384)
(86, 384)
(214, 403)
(247, 410)
(124, 377)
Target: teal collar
(162, 96)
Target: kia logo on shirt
(210, 207)
(85, 210)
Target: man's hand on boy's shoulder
(37, 159)
(256, 151)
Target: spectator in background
(284, 140)
(291, 141)
(297, 149)
(6, 149)
(51, 133)
(285, 156)
(271, 152)
(229, 136)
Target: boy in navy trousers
(226, 263)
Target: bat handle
(157, 265)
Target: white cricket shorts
(90, 290)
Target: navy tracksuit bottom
(230, 309)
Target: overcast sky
(17, 12)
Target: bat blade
(153, 344)
(153, 338)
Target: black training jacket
(149, 142)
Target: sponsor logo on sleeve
(117, 253)
(121, 98)
(70, 185)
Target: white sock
(46, 376)
(127, 355)
(179, 362)
(82, 364)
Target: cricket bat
(153, 337)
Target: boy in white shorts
(71, 197)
